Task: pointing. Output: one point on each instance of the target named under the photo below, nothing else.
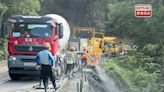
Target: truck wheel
(14, 77)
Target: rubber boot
(71, 74)
(45, 86)
(54, 84)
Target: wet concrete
(96, 81)
(100, 82)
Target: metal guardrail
(83, 78)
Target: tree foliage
(89, 13)
(123, 23)
(147, 34)
(3, 9)
(21, 7)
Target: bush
(138, 79)
(3, 52)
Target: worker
(84, 57)
(75, 60)
(23, 32)
(70, 60)
(45, 59)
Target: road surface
(94, 80)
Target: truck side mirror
(61, 31)
(3, 30)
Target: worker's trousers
(84, 61)
(69, 70)
(46, 72)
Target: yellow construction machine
(112, 45)
(93, 43)
(97, 42)
(87, 39)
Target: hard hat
(47, 45)
(71, 47)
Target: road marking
(62, 84)
(4, 80)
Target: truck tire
(14, 77)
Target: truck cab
(27, 34)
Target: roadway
(8, 85)
(23, 85)
(96, 81)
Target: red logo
(143, 10)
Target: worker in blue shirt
(45, 59)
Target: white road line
(62, 84)
(4, 80)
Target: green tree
(146, 32)
(90, 13)
(21, 7)
(122, 22)
(3, 9)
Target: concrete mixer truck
(27, 35)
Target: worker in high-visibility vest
(84, 57)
